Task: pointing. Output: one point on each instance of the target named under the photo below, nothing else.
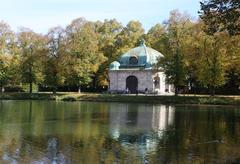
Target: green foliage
(80, 54)
(129, 37)
(32, 48)
(84, 55)
(25, 88)
(6, 38)
(173, 67)
(54, 61)
(174, 38)
(157, 38)
(69, 98)
(3, 71)
(108, 33)
(221, 15)
(213, 63)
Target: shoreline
(156, 99)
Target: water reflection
(53, 155)
(162, 118)
(82, 132)
(130, 124)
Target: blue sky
(40, 15)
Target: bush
(69, 98)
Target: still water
(52, 132)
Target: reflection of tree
(200, 134)
(158, 133)
(76, 126)
(30, 111)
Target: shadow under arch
(132, 84)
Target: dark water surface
(42, 132)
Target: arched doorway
(132, 84)
(157, 82)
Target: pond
(91, 132)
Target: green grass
(182, 99)
(27, 96)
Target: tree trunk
(213, 91)
(54, 90)
(30, 79)
(30, 87)
(79, 89)
(95, 82)
(176, 91)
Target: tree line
(197, 56)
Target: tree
(54, 63)
(221, 15)
(9, 58)
(212, 62)
(156, 38)
(5, 37)
(173, 64)
(233, 69)
(80, 54)
(190, 47)
(129, 37)
(173, 67)
(4, 68)
(32, 48)
(84, 55)
(108, 32)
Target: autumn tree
(108, 32)
(84, 55)
(230, 45)
(5, 39)
(157, 38)
(219, 15)
(173, 64)
(212, 62)
(129, 37)
(54, 62)
(32, 48)
(80, 54)
(9, 57)
(4, 68)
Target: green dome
(114, 65)
(141, 56)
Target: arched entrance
(132, 84)
(157, 82)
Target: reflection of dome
(141, 56)
(114, 65)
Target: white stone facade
(135, 72)
(145, 79)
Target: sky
(40, 15)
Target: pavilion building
(136, 72)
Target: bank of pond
(140, 98)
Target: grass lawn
(141, 98)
